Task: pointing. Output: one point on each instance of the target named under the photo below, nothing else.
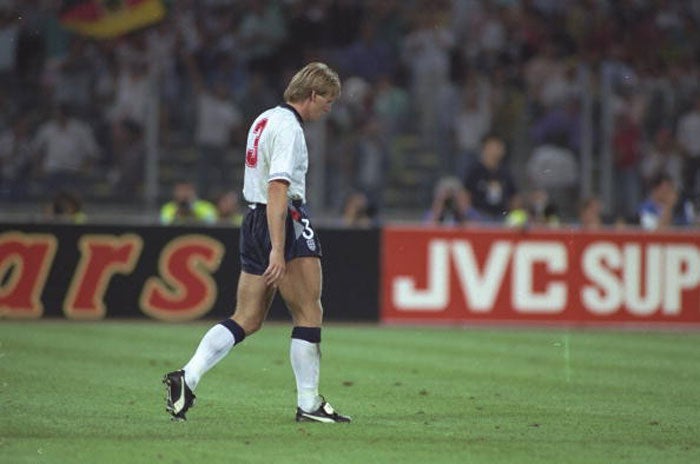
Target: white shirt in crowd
(689, 133)
(552, 166)
(216, 118)
(67, 147)
(276, 149)
(473, 119)
(131, 97)
(670, 163)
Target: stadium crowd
(478, 83)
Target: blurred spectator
(358, 211)
(543, 211)
(228, 208)
(126, 176)
(489, 180)
(491, 31)
(561, 87)
(66, 206)
(257, 95)
(71, 79)
(132, 92)
(509, 102)
(627, 153)
(218, 123)
(308, 24)
(390, 21)
(66, 147)
(590, 213)
(15, 159)
(367, 57)
(426, 52)
(161, 43)
(391, 105)
(451, 204)
(663, 156)
(356, 94)
(658, 210)
(261, 32)
(553, 168)
(561, 123)
(472, 123)
(9, 39)
(536, 209)
(186, 207)
(688, 134)
(539, 71)
(518, 216)
(371, 160)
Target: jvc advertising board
(569, 277)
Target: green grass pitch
(91, 393)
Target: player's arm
(276, 222)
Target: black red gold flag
(105, 19)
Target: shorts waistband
(295, 203)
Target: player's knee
(310, 316)
(248, 324)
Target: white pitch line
(567, 358)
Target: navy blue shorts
(255, 246)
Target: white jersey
(276, 149)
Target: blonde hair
(314, 77)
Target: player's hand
(275, 270)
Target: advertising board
(570, 277)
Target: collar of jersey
(296, 113)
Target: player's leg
(301, 290)
(254, 298)
(253, 303)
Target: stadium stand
(432, 75)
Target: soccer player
(279, 249)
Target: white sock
(215, 344)
(306, 364)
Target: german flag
(106, 19)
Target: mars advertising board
(568, 277)
(181, 273)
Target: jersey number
(251, 155)
(308, 232)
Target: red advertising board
(568, 277)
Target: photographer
(185, 207)
(451, 204)
(66, 207)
